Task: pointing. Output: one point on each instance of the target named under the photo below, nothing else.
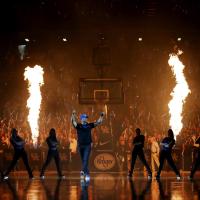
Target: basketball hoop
(101, 91)
(101, 97)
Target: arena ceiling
(37, 15)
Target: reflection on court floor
(101, 186)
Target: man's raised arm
(100, 120)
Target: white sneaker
(178, 178)
(82, 175)
(42, 177)
(149, 177)
(5, 178)
(87, 177)
(62, 177)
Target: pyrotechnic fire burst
(35, 81)
(179, 93)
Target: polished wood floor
(108, 186)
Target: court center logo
(104, 161)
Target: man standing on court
(85, 139)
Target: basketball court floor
(101, 186)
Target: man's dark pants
(85, 155)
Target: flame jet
(34, 76)
(179, 93)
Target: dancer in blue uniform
(19, 152)
(166, 154)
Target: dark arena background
(98, 56)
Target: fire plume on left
(34, 76)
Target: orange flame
(35, 81)
(179, 93)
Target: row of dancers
(84, 134)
